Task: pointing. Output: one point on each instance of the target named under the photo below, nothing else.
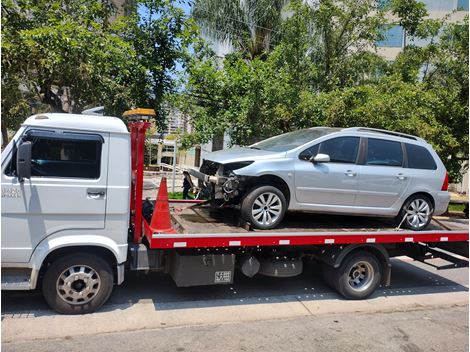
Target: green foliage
(410, 14)
(65, 56)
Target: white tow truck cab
(72, 212)
(70, 202)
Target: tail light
(445, 184)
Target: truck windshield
(292, 140)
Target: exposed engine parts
(217, 181)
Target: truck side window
(65, 158)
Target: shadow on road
(408, 278)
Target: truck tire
(264, 207)
(358, 276)
(77, 283)
(416, 212)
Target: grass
(456, 207)
(175, 195)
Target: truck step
(15, 282)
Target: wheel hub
(266, 208)
(418, 212)
(360, 276)
(78, 284)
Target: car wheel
(416, 213)
(264, 207)
(358, 276)
(77, 283)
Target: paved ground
(424, 309)
(415, 331)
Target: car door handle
(400, 176)
(95, 193)
(350, 173)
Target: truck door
(67, 190)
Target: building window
(462, 5)
(393, 37)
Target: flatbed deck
(202, 226)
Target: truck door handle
(350, 173)
(400, 176)
(95, 194)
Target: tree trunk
(4, 136)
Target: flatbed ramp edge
(201, 226)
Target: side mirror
(320, 158)
(23, 161)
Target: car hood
(242, 154)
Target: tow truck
(74, 221)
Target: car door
(328, 184)
(382, 178)
(67, 190)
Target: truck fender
(334, 255)
(50, 244)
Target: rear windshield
(292, 140)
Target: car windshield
(292, 140)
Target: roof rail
(378, 130)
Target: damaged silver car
(354, 171)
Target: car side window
(308, 153)
(419, 158)
(341, 149)
(381, 152)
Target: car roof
(375, 132)
(77, 122)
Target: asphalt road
(416, 331)
(270, 314)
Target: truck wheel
(77, 283)
(417, 212)
(358, 276)
(264, 207)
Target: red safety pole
(141, 127)
(133, 130)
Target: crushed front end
(219, 181)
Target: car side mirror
(23, 161)
(320, 158)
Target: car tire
(416, 213)
(358, 276)
(77, 283)
(264, 207)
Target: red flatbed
(202, 226)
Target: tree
(323, 72)
(160, 34)
(319, 48)
(64, 56)
(248, 25)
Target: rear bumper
(442, 200)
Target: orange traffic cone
(161, 220)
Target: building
(395, 37)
